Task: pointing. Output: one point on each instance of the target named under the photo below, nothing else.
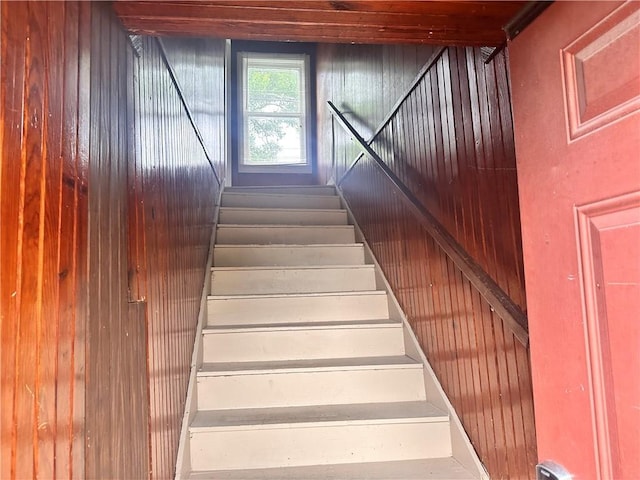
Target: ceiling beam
(350, 21)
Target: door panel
(576, 100)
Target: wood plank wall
(451, 143)
(116, 414)
(175, 203)
(44, 174)
(199, 66)
(364, 81)
(106, 220)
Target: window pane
(274, 141)
(273, 89)
(273, 118)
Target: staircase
(304, 374)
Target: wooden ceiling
(477, 23)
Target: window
(274, 106)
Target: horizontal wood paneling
(176, 191)
(351, 21)
(451, 144)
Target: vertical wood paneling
(365, 81)
(451, 143)
(199, 67)
(116, 409)
(107, 204)
(175, 198)
(39, 245)
(38, 256)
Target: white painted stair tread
(296, 307)
(290, 267)
(281, 255)
(266, 210)
(259, 327)
(289, 216)
(279, 200)
(428, 469)
(370, 293)
(265, 234)
(286, 417)
(286, 189)
(276, 342)
(299, 325)
(316, 365)
(292, 279)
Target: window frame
(242, 117)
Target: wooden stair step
(297, 307)
(288, 255)
(282, 216)
(286, 189)
(289, 417)
(300, 382)
(284, 234)
(279, 200)
(318, 434)
(445, 468)
(292, 279)
(310, 341)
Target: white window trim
(306, 107)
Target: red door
(575, 75)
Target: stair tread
(369, 413)
(285, 366)
(445, 468)
(286, 209)
(291, 245)
(293, 267)
(302, 326)
(249, 188)
(283, 295)
(276, 194)
(283, 225)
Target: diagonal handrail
(435, 56)
(500, 302)
(194, 125)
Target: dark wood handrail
(194, 125)
(396, 106)
(500, 302)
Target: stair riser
(319, 445)
(301, 190)
(242, 256)
(268, 310)
(302, 344)
(284, 235)
(283, 217)
(279, 201)
(331, 387)
(240, 282)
